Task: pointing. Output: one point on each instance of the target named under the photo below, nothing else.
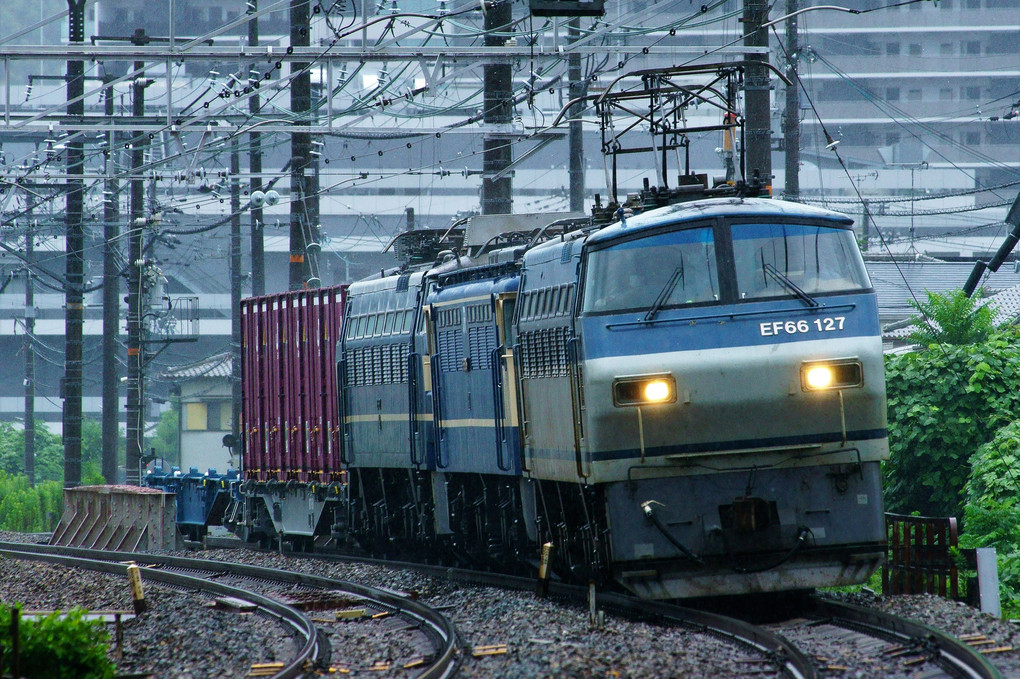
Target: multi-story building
(924, 99)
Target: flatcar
(688, 402)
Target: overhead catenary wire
(832, 146)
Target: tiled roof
(215, 366)
(891, 283)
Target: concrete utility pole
(29, 346)
(75, 263)
(758, 152)
(497, 152)
(111, 298)
(304, 185)
(791, 119)
(576, 133)
(135, 348)
(258, 261)
(865, 225)
(235, 291)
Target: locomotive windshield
(772, 260)
(680, 268)
(667, 269)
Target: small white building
(204, 413)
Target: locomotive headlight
(657, 391)
(839, 374)
(644, 390)
(818, 377)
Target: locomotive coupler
(751, 514)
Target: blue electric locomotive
(689, 401)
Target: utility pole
(758, 152)
(497, 152)
(791, 119)
(235, 291)
(258, 263)
(303, 182)
(111, 297)
(75, 263)
(575, 131)
(29, 347)
(135, 348)
(865, 225)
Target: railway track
(765, 649)
(298, 601)
(825, 637)
(842, 637)
(822, 638)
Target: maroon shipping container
(289, 415)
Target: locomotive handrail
(437, 409)
(575, 404)
(522, 409)
(341, 395)
(412, 406)
(499, 407)
(849, 306)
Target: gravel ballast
(181, 636)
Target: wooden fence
(920, 556)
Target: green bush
(953, 318)
(992, 513)
(27, 509)
(944, 403)
(49, 453)
(57, 647)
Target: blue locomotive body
(689, 401)
(522, 417)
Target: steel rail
(286, 614)
(784, 654)
(431, 621)
(955, 656)
(952, 654)
(788, 658)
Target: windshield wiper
(667, 290)
(785, 281)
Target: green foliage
(944, 404)
(92, 453)
(992, 513)
(49, 453)
(26, 509)
(165, 442)
(57, 647)
(952, 318)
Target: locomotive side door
(508, 446)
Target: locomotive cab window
(777, 260)
(670, 269)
